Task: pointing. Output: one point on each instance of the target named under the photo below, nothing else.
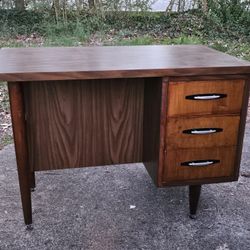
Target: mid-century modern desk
(180, 110)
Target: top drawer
(205, 97)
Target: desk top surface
(32, 64)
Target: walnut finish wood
(21, 148)
(32, 181)
(34, 64)
(174, 171)
(242, 128)
(162, 131)
(203, 181)
(207, 78)
(84, 123)
(175, 138)
(180, 106)
(153, 90)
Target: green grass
(6, 140)
(67, 41)
(66, 33)
(148, 40)
(4, 98)
(125, 28)
(183, 40)
(238, 49)
(143, 40)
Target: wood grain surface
(178, 105)
(175, 138)
(34, 64)
(151, 126)
(84, 123)
(21, 147)
(182, 114)
(243, 118)
(174, 171)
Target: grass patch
(183, 40)
(62, 41)
(6, 140)
(4, 98)
(238, 49)
(143, 40)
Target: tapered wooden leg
(19, 131)
(32, 181)
(194, 196)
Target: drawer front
(195, 164)
(202, 132)
(205, 97)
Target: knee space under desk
(91, 122)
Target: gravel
(118, 207)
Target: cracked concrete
(118, 207)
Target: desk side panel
(84, 123)
(153, 121)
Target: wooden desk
(180, 110)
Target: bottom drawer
(193, 164)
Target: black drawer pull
(206, 97)
(202, 131)
(202, 163)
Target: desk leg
(32, 181)
(194, 196)
(19, 131)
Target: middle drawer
(202, 132)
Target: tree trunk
(91, 4)
(170, 5)
(178, 5)
(34, 4)
(56, 4)
(65, 4)
(19, 4)
(204, 6)
(78, 6)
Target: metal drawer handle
(202, 131)
(206, 97)
(202, 163)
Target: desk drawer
(195, 164)
(205, 97)
(202, 132)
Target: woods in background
(223, 24)
(57, 5)
(224, 13)
(181, 5)
(75, 4)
